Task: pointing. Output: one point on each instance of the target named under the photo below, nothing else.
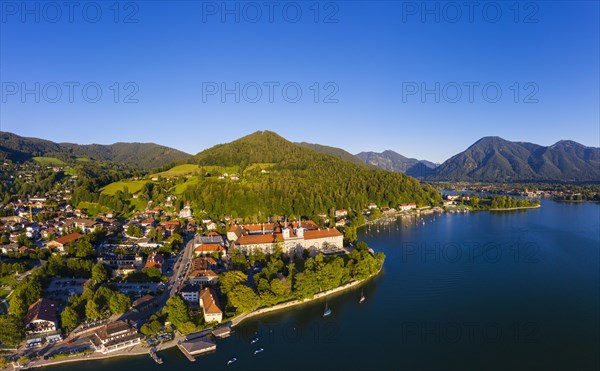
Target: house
(186, 212)
(210, 306)
(449, 202)
(203, 277)
(60, 243)
(155, 260)
(41, 317)
(341, 213)
(190, 293)
(407, 206)
(211, 226)
(209, 249)
(115, 336)
(121, 265)
(372, 206)
(203, 263)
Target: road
(178, 268)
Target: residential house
(210, 306)
(190, 293)
(155, 260)
(60, 243)
(407, 206)
(341, 213)
(41, 317)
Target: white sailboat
(362, 297)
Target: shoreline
(140, 350)
(292, 303)
(515, 208)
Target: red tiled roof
(209, 247)
(322, 233)
(260, 238)
(68, 238)
(209, 301)
(203, 272)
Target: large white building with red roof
(293, 237)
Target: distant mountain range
(490, 159)
(143, 156)
(493, 159)
(392, 161)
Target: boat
(259, 351)
(362, 298)
(231, 360)
(327, 311)
(254, 341)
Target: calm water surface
(478, 291)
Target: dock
(222, 332)
(191, 348)
(156, 358)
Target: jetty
(156, 358)
(191, 348)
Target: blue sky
(361, 67)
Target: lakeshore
(142, 350)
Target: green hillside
(298, 181)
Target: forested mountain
(299, 181)
(334, 151)
(393, 161)
(493, 159)
(143, 156)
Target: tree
(69, 319)
(119, 303)
(3, 362)
(92, 310)
(11, 330)
(23, 240)
(350, 235)
(229, 280)
(23, 360)
(243, 299)
(151, 327)
(177, 311)
(99, 273)
(84, 249)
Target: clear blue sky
(371, 53)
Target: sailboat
(327, 311)
(362, 297)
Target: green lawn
(48, 161)
(179, 170)
(69, 171)
(138, 204)
(93, 208)
(180, 188)
(133, 186)
(83, 159)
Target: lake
(484, 290)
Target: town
(83, 284)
